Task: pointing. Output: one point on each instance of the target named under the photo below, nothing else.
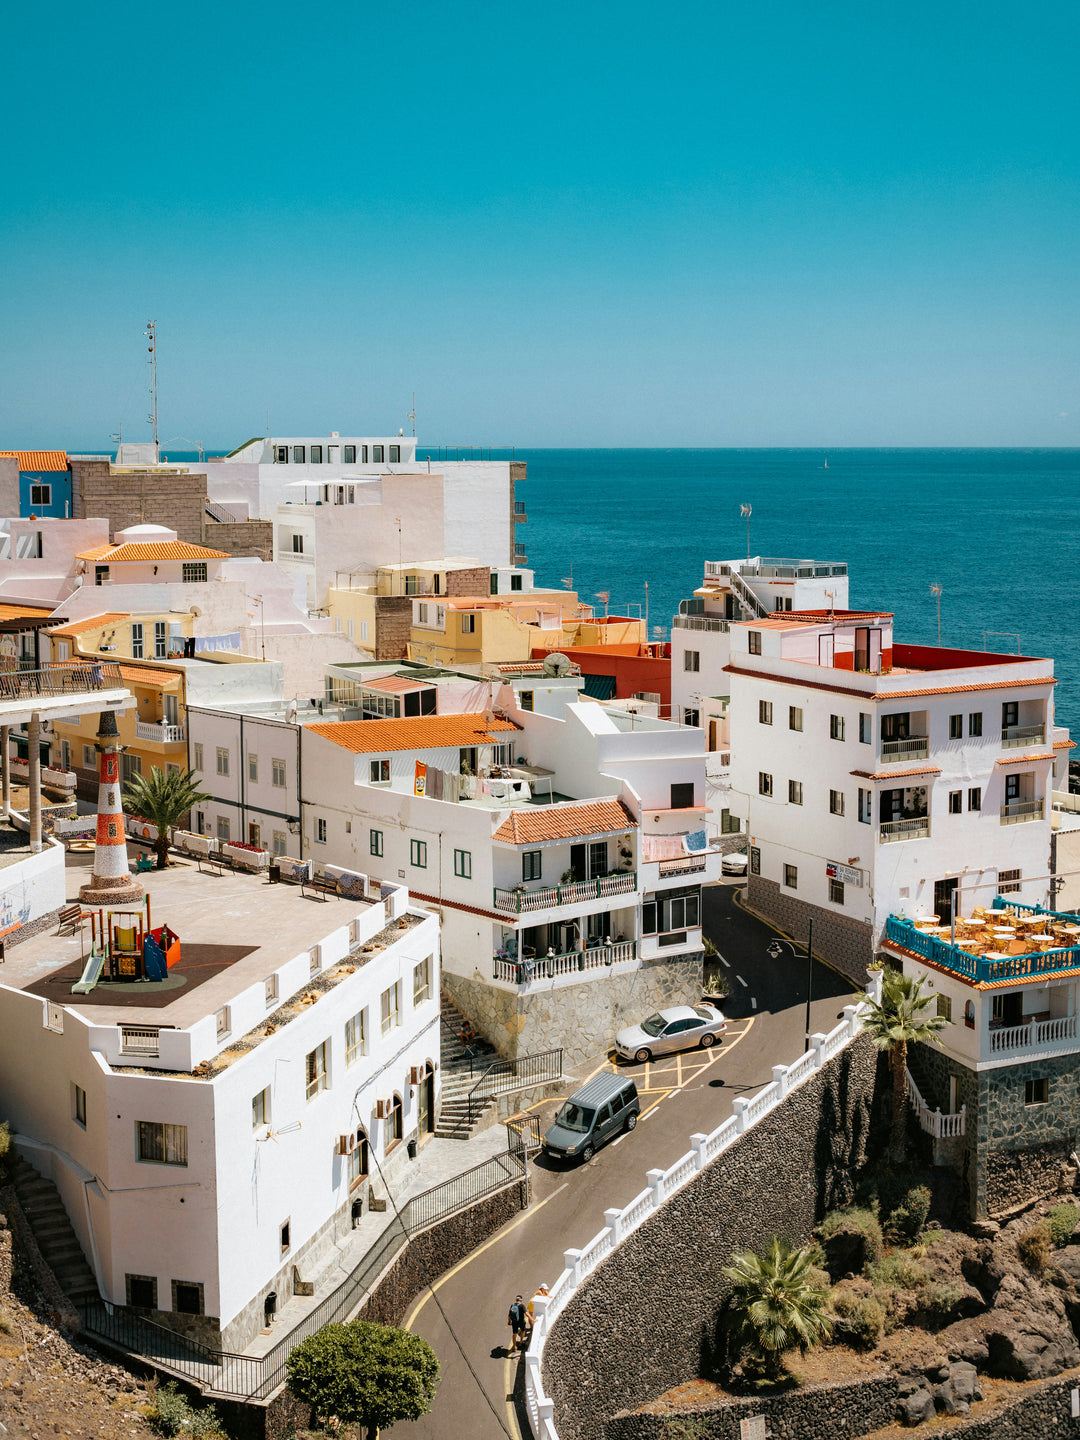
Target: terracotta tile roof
(1021, 759)
(1064, 744)
(24, 612)
(896, 774)
(564, 822)
(413, 732)
(146, 674)
(92, 622)
(39, 459)
(167, 550)
(963, 689)
(456, 905)
(393, 684)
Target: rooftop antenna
(746, 511)
(412, 414)
(568, 580)
(605, 596)
(118, 439)
(935, 590)
(151, 334)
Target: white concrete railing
(163, 734)
(1034, 1035)
(547, 967)
(662, 1184)
(934, 1122)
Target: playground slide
(90, 976)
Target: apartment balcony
(915, 747)
(520, 558)
(917, 828)
(520, 515)
(1035, 1037)
(700, 622)
(1018, 812)
(553, 967)
(521, 901)
(160, 734)
(1015, 737)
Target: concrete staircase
(47, 1218)
(459, 1076)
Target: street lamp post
(774, 951)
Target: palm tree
(776, 1304)
(898, 1020)
(163, 799)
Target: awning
(599, 687)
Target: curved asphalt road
(680, 1095)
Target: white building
(305, 1043)
(561, 843)
(879, 778)
(479, 507)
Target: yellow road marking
(508, 1391)
(407, 1324)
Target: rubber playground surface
(197, 964)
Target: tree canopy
(163, 798)
(365, 1374)
(776, 1304)
(900, 1019)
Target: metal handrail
(1016, 811)
(912, 829)
(700, 622)
(616, 882)
(911, 747)
(978, 967)
(63, 679)
(256, 1377)
(517, 1074)
(1018, 735)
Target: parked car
(603, 1107)
(735, 863)
(679, 1028)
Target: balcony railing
(913, 829)
(903, 932)
(686, 865)
(700, 622)
(771, 569)
(60, 680)
(549, 967)
(522, 901)
(1035, 1035)
(1015, 736)
(162, 734)
(915, 747)
(1016, 812)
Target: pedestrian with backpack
(518, 1320)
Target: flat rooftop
(235, 928)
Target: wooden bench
(320, 884)
(74, 916)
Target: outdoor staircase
(459, 1076)
(745, 596)
(47, 1218)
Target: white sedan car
(734, 864)
(682, 1027)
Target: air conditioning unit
(416, 1074)
(106, 647)
(346, 1144)
(382, 1109)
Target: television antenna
(935, 590)
(745, 512)
(605, 596)
(412, 414)
(152, 419)
(272, 1134)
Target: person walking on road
(530, 1312)
(518, 1320)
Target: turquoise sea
(998, 530)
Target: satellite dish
(557, 664)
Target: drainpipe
(33, 735)
(5, 767)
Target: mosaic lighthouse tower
(111, 883)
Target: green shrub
(173, 1414)
(860, 1318)
(858, 1218)
(898, 1270)
(909, 1217)
(1033, 1246)
(5, 1323)
(1063, 1220)
(940, 1300)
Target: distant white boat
(826, 462)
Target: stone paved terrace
(234, 909)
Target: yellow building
(152, 636)
(468, 630)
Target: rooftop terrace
(1007, 944)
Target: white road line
(723, 961)
(742, 982)
(753, 1002)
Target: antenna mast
(412, 414)
(151, 334)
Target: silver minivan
(603, 1108)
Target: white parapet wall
(32, 887)
(662, 1185)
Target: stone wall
(245, 539)
(393, 626)
(849, 1408)
(932, 1070)
(658, 1296)
(578, 1019)
(140, 497)
(476, 581)
(843, 943)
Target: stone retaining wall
(578, 1019)
(656, 1298)
(849, 1408)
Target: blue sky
(753, 223)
